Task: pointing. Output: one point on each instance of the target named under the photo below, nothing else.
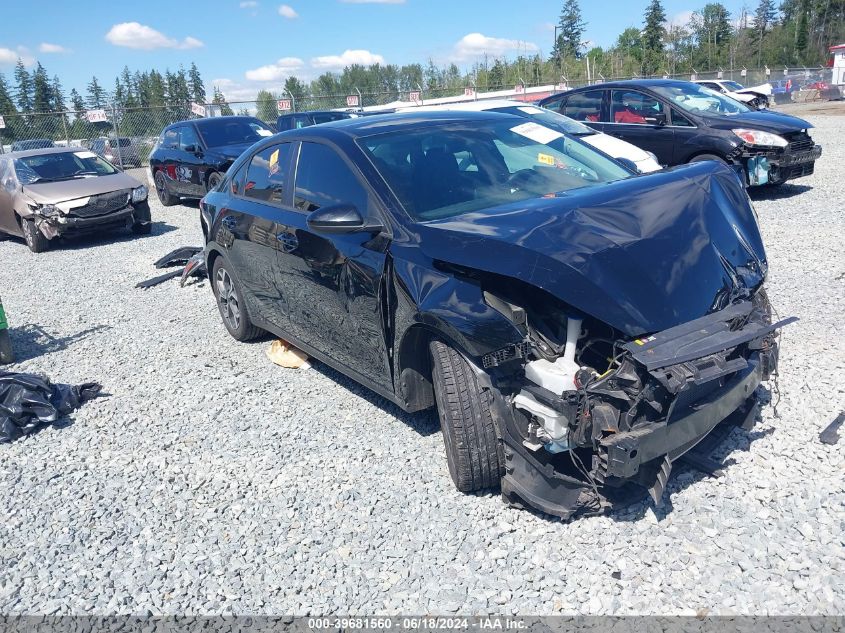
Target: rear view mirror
(340, 218)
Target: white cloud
(276, 72)
(46, 47)
(373, 1)
(680, 19)
(248, 4)
(140, 36)
(473, 45)
(9, 57)
(347, 58)
(547, 27)
(286, 11)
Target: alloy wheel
(230, 307)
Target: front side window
(446, 170)
(630, 106)
(266, 173)
(323, 179)
(698, 99)
(584, 106)
(679, 120)
(61, 166)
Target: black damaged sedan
(576, 326)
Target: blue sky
(246, 45)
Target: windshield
(124, 142)
(448, 169)
(700, 100)
(220, 132)
(547, 117)
(61, 166)
(732, 85)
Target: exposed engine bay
(588, 409)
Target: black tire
(142, 229)
(701, 157)
(164, 196)
(229, 295)
(34, 238)
(7, 355)
(473, 450)
(214, 179)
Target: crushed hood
(765, 120)
(55, 192)
(643, 254)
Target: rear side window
(265, 175)
(170, 138)
(583, 106)
(188, 139)
(323, 179)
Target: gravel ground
(211, 481)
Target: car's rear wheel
(164, 196)
(34, 238)
(214, 180)
(230, 302)
(473, 450)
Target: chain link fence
(126, 136)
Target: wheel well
(212, 257)
(414, 367)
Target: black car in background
(305, 119)
(191, 157)
(683, 122)
(512, 277)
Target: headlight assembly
(48, 210)
(139, 194)
(760, 138)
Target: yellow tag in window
(545, 159)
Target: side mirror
(658, 119)
(340, 218)
(192, 149)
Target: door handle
(287, 241)
(230, 222)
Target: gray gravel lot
(211, 481)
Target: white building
(838, 53)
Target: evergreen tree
(42, 97)
(23, 94)
(265, 106)
(296, 88)
(56, 91)
(7, 106)
(76, 101)
(196, 85)
(572, 26)
(220, 100)
(652, 37)
(764, 17)
(96, 95)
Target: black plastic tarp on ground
(29, 401)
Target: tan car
(48, 193)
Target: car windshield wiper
(38, 179)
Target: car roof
(468, 106)
(228, 117)
(633, 83)
(391, 122)
(44, 150)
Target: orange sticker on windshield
(545, 159)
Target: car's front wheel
(34, 238)
(164, 195)
(229, 296)
(473, 450)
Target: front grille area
(797, 171)
(103, 204)
(799, 142)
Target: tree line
(794, 33)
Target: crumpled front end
(585, 409)
(91, 214)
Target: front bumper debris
(669, 392)
(56, 226)
(780, 165)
